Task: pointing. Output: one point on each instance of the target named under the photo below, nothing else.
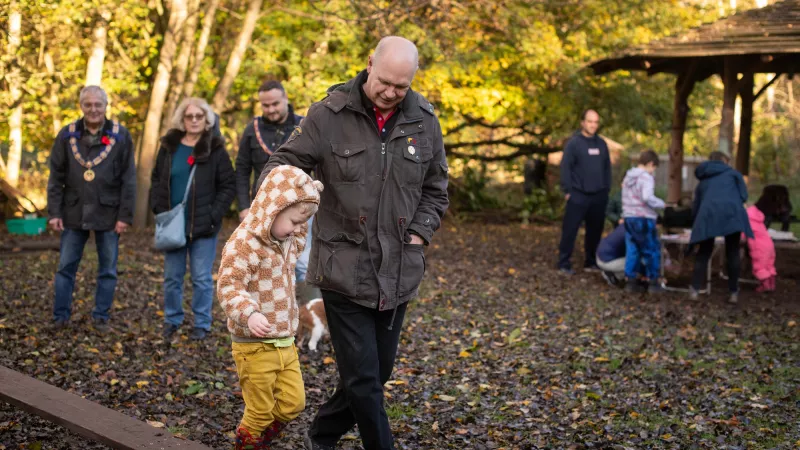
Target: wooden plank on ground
(84, 417)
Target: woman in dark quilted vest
(190, 143)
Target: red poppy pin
(190, 160)
(105, 140)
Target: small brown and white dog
(312, 320)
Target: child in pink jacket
(762, 249)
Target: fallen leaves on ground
(499, 352)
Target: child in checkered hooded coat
(256, 290)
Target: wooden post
(746, 127)
(729, 74)
(683, 88)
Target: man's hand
(57, 224)
(621, 221)
(416, 240)
(258, 324)
(243, 214)
(566, 197)
(120, 227)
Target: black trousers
(365, 351)
(589, 208)
(704, 252)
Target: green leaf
(193, 389)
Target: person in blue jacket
(611, 256)
(586, 181)
(718, 211)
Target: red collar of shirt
(379, 117)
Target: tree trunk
(746, 127)
(200, 50)
(158, 96)
(14, 79)
(235, 60)
(52, 101)
(182, 62)
(729, 100)
(94, 68)
(683, 88)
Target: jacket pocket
(412, 268)
(72, 213)
(349, 161)
(415, 162)
(71, 197)
(109, 199)
(339, 254)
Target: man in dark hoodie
(586, 181)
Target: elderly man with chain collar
(92, 187)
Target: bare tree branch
(503, 141)
(523, 150)
(470, 121)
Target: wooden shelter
(764, 40)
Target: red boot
(764, 286)
(272, 431)
(246, 441)
(772, 281)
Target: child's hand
(258, 324)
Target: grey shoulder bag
(171, 225)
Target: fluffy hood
(208, 143)
(283, 187)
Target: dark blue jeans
(582, 208)
(642, 249)
(201, 252)
(72, 244)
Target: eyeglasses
(194, 117)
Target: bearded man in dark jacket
(262, 136)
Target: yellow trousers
(272, 385)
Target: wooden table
(682, 240)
